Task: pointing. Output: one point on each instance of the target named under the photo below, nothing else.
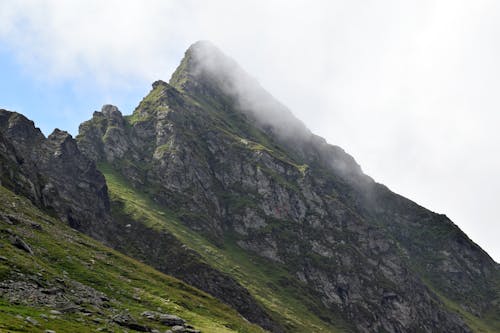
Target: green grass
(289, 302)
(61, 252)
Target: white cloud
(407, 87)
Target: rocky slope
(57, 177)
(234, 165)
(52, 172)
(215, 182)
(54, 279)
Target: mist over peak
(209, 74)
(207, 71)
(214, 181)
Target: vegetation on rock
(214, 182)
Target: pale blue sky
(409, 88)
(62, 104)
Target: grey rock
(126, 320)
(170, 320)
(150, 315)
(32, 321)
(49, 170)
(21, 244)
(52, 291)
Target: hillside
(53, 277)
(235, 167)
(214, 182)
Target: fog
(409, 88)
(210, 63)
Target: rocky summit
(214, 182)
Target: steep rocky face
(109, 130)
(234, 164)
(10, 175)
(52, 172)
(439, 251)
(17, 173)
(166, 253)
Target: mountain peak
(202, 61)
(203, 45)
(210, 76)
(204, 64)
(216, 80)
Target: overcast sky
(409, 88)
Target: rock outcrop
(52, 172)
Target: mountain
(213, 181)
(53, 278)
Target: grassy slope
(61, 252)
(290, 304)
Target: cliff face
(52, 172)
(234, 165)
